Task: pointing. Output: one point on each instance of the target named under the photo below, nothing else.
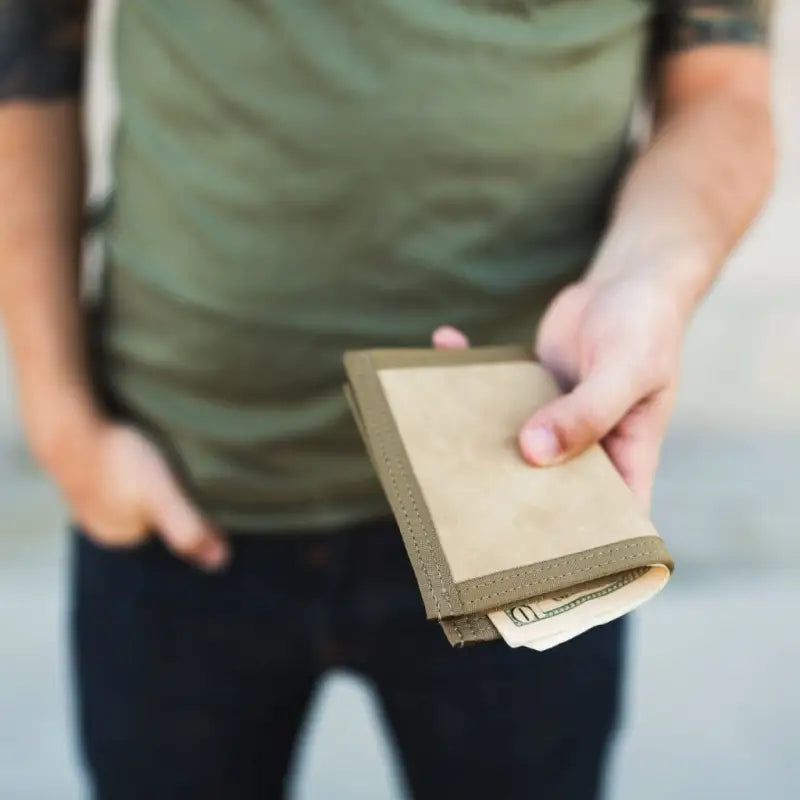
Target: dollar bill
(544, 622)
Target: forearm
(41, 192)
(693, 192)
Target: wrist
(681, 276)
(62, 430)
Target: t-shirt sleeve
(42, 44)
(685, 24)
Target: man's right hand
(116, 481)
(120, 490)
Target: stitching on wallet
(381, 430)
(630, 557)
(577, 557)
(436, 561)
(410, 526)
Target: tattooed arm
(712, 149)
(684, 24)
(117, 484)
(41, 48)
(41, 193)
(616, 335)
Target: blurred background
(712, 696)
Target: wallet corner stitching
(645, 552)
(402, 502)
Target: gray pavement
(712, 699)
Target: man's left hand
(614, 346)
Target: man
(295, 179)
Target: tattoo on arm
(42, 46)
(682, 24)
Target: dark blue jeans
(194, 686)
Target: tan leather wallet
(483, 529)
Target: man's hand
(615, 347)
(120, 490)
(614, 339)
(115, 480)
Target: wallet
(483, 529)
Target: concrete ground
(712, 691)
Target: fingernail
(540, 445)
(448, 338)
(216, 557)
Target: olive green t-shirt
(294, 179)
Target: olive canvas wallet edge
(494, 542)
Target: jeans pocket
(84, 540)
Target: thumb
(184, 529)
(569, 424)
